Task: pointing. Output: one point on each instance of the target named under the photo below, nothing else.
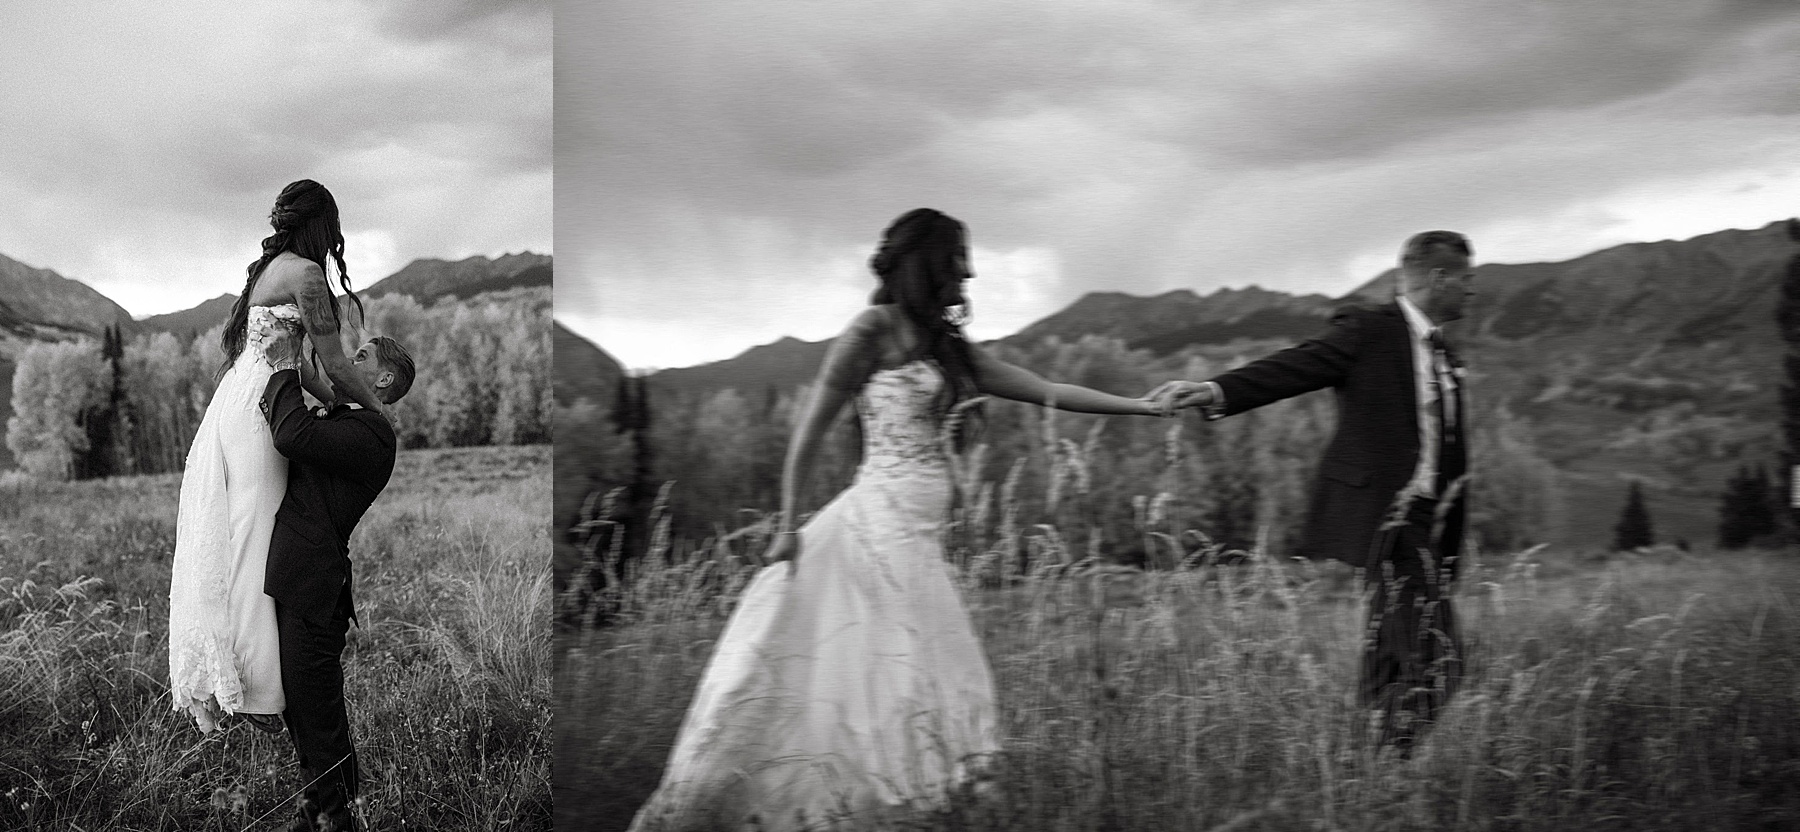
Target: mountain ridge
(424, 278)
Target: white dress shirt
(1431, 373)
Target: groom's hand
(1178, 394)
(283, 347)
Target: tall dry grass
(1625, 692)
(447, 678)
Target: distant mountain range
(41, 305)
(465, 278)
(1653, 361)
(424, 280)
(196, 319)
(1170, 321)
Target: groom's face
(365, 364)
(1451, 284)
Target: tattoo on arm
(316, 312)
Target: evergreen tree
(101, 419)
(1746, 510)
(1634, 529)
(641, 495)
(1760, 509)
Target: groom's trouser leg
(1412, 654)
(312, 673)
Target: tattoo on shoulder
(314, 298)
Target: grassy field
(1632, 692)
(448, 678)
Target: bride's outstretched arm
(312, 382)
(1009, 381)
(847, 365)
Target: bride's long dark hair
(921, 252)
(305, 219)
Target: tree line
(1750, 510)
(117, 405)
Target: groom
(1390, 494)
(339, 459)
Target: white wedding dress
(224, 654)
(848, 684)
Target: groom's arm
(343, 445)
(1311, 365)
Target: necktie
(1443, 373)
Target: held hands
(1156, 407)
(1174, 395)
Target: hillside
(785, 363)
(41, 304)
(427, 279)
(189, 321)
(583, 370)
(1170, 321)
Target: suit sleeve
(1314, 364)
(343, 445)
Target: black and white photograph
(275, 381)
(1155, 415)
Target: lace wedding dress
(224, 655)
(849, 684)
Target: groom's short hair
(397, 361)
(1427, 246)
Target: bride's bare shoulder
(858, 350)
(872, 320)
(870, 331)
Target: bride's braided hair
(917, 257)
(305, 219)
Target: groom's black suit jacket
(1367, 356)
(337, 464)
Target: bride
(224, 656)
(849, 682)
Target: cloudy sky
(725, 169)
(144, 142)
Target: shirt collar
(1416, 319)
